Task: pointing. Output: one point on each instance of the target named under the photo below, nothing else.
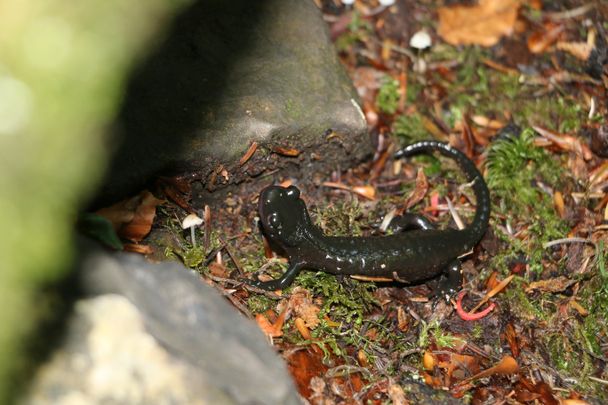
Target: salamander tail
(482, 215)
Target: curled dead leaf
(420, 190)
(132, 218)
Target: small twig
(233, 257)
(455, 215)
(567, 240)
(237, 303)
(598, 380)
(575, 12)
(240, 284)
(346, 369)
(206, 228)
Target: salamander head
(283, 215)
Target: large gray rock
(155, 334)
(229, 73)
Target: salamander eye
(273, 220)
(293, 192)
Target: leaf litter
(525, 118)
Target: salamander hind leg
(410, 222)
(280, 283)
(449, 282)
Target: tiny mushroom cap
(190, 221)
(387, 3)
(420, 40)
(348, 2)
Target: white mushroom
(387, 3)
(191, 221)
(348, 2)
(420, 40)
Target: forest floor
(520, 88)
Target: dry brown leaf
(539, 41)
(565, 142)
(578, 307)
(249, 153)
(397, 395)
(511, 337)
(508, 365)
(301, 304)
(482, 24)
(498, 288)
(141, 224)
(580, 50)
(420, 190)
(552, 285)
(132, 218)
(402, 320)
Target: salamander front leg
(449, 282)
(280, 283)
(409, 222)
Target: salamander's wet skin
(414, 253)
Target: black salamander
(415, 252)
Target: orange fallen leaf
(539, 41)
(482, 24)
(507, 365)
(272, 329)
(429, 360)
(558, 201)
(301, 327)
(291, 152)
(132, 218)
(362, 358)
(498, 288)
(511, 337)
(252, 148)
(368, 192)
(565, 142)
(484, 121)
(137, 248)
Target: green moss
(515, 166)
(521, 304)
(410, 128)
(358, 31)
(258, 303)
(387, 99)
(345, 218)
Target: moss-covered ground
(530, 120)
